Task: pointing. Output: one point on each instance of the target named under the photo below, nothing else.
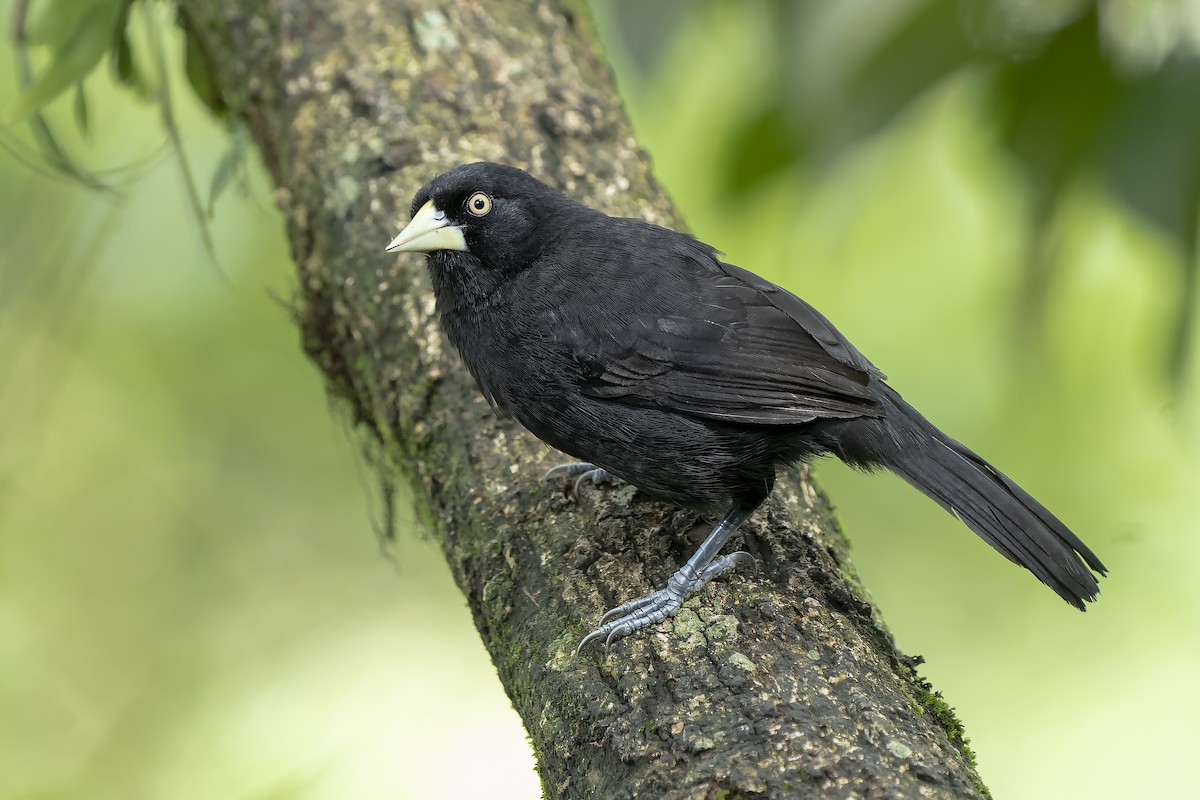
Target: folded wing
(740, 349)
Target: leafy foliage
(76, 35)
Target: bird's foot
(582, 472)
(662, 604)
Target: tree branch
(780, 684)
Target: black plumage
(636, 349)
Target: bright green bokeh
(192, 604)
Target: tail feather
(1002, 513)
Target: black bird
(637, 350)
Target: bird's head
(492, 212)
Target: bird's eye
(479, 204)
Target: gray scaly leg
(702, 567)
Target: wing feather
(736, 348)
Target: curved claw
(598, 477)
(742, 557)
(568, 470)
(582, 479)
(596, 634)
(610, 632)
(619, 630)
(582, 471)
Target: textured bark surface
(779, 684)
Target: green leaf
(764, 145)
(227, 167)
(199, 74)
(121, 54)
(158, 53)
(55, 156)
(76, 56)
(1149, 156)
(925, 48)
(1151, 163)
(53, 22)
(1054, 109)
(126, 70)
(81, 109)
(123, 62)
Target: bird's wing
(737, 349)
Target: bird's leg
(582, 471)
(702, 567)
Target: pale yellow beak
(428, 231)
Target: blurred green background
(192, 600)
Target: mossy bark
(783, 683)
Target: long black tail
(987, 500)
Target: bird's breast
(514, 358)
